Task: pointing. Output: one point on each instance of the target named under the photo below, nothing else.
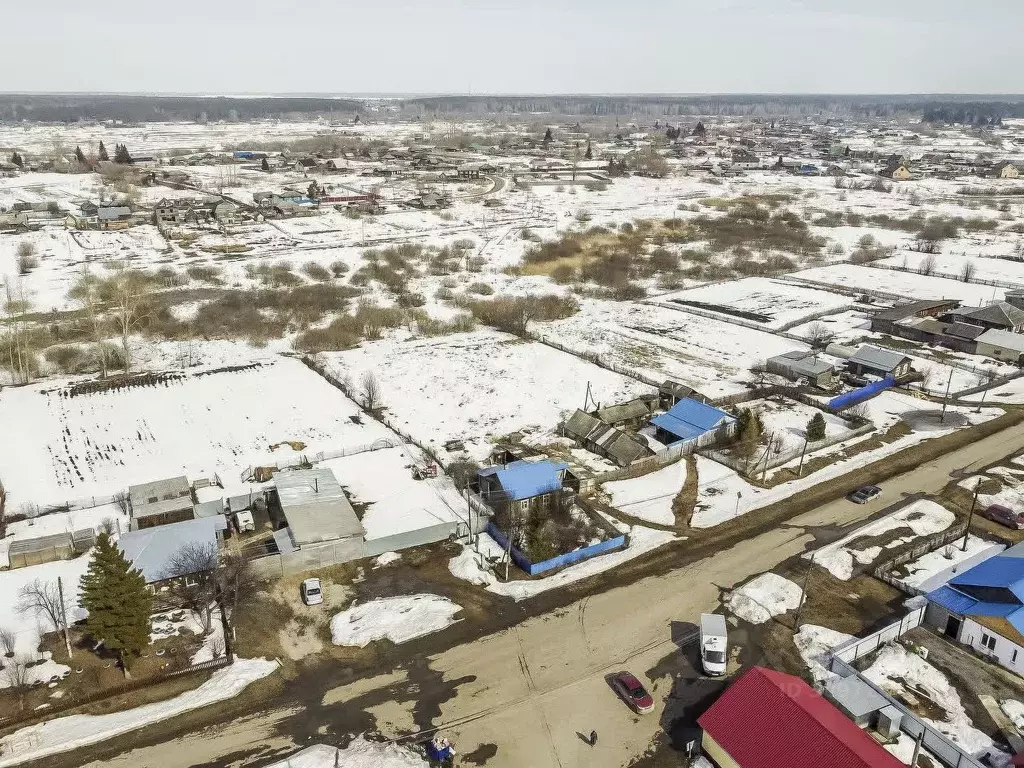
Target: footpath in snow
(66, 733)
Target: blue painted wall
(555, 562)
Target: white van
(714, 643)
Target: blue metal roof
(1004, 571)
(951, 600)
(525, 479)
(1001, 570)
(689, 418)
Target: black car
(865, 494)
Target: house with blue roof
(528, 484)
(983, 608)
(689, 419)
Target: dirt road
(528, 690)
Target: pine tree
(816, 428)
(121, 156)
(103, 153)
(547, 137)
(117, 600)
(264, 165)
(589, 154)
(17, 160)
(80, 155)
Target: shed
(160, 502)
(671, 392)
(633, 413)
(802, 365)
(856, 699)
(44, 549)
(315, 508)
(1002, 345)
(603, 439)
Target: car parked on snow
(312, 594)
(630, 689)
(1004, 515)
(864, 494)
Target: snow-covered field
(918, 519)
(777, 302)
(76, 446)
(66, 733)
(712, 356)
(479, 385)
(473, 566)
(763, 598)
(397, 502)
(951, 264)
(398, 619)
(932, 569)
(901, 285)
(650, 497)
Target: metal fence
(840, 660)
(596, 359)
(670, 455)
(958, 278)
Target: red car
(629, 688)
(1004, 515)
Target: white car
(311, 592)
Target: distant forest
(57, 108)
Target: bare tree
(192, 579)
(986, 377)
(128, 294)
(18, 340)
(109, 526)
(18, 678)
(7, 640)
(967, 271)
(927, 265)
(236, 580)
(3, 511)
(27, 259)
(86, 292)
(819, 335)
(927, 373)
(42, 598)
(371, 390)
(123, 502)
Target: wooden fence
(884, 571)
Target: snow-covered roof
(151, 550)
(315, 506)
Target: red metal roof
(767, 719)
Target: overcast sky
(515, 46)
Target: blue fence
(555, 562)
(855, 396)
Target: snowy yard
(900, 285)
(712, 356)
(63, 734)
(650, 497)
(360, 753)
(73, 446)
(397, 502)
(398, 619)
(475, 386)
(895, 670)
(763, 597)
(770, 303)
(786, 421)
(933, 569)
(474, 567)
(917, 520)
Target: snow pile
(397, 619)
(813, 643)
(763, 597)
(360, 753)
(470, 566)
(650, 497)
(895, 668)
(386, 559)
(67, 733)
(1014, 710)
(921, 518)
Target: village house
(1000, 316)
(875, 362)
(527, 484)
(154, 551)
(799, 365)
(1005, 170)
(1002, 345)
(689, 420)
(160, 502)
(983, 608)
(887, 320)
(768, 719)
(605, 440)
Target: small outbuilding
(870, 361)
(802, 365)
(160, 502)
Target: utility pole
(803, 594)
(63, 615)
(917, 749)
(800, 469)
(970, 516)
(945, 400)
